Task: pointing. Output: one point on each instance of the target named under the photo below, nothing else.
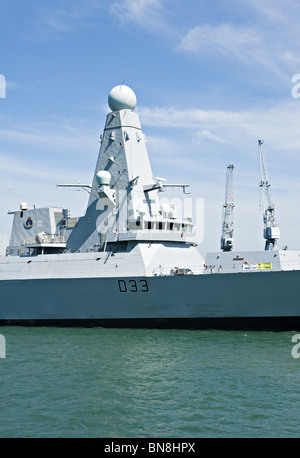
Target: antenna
(86, 187)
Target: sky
(211, 78)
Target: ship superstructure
(123, 204)
(133, 260)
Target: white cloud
(278, 123)
(148, 14)
(57, 135)
(26, 170)
(270, 11)
(187, 117)
(291, 56)
(258, 35)
(11, 85)
(47, 22)
(35, 157)
(266, 40)
(249, 46)
(229, 39)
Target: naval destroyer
(131, 261)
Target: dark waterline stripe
(291, 323)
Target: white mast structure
(227, 226)
(271, 230)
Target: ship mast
(227, 226)
(271, 230)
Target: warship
(133, 261)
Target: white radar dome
(103, 178)
(121, 98)
(23, 206)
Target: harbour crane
(271, 230)
(227, 221)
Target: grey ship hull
(267, 301)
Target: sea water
(142, 383)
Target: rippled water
(114, 383)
